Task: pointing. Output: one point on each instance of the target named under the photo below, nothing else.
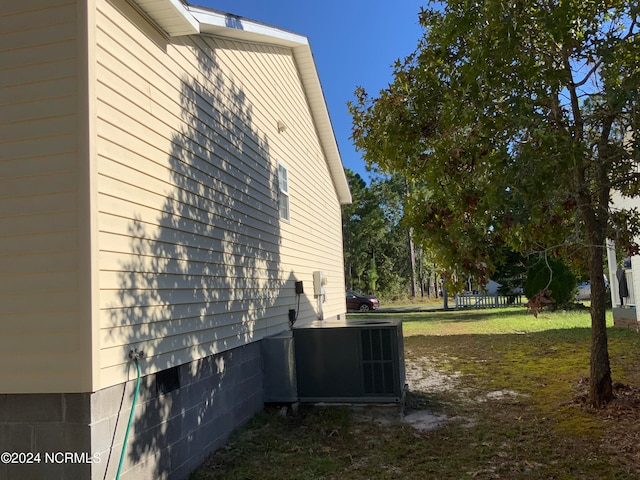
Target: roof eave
(170, 15)
(318, 107)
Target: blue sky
(354, 42)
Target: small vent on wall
(168, 380)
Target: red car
(362, 303)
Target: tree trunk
(412, 261)
(600, 388)
(411, 246)
(435, 282)
(420, 273)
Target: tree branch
(588, 75)
(631, 177)
(575, 102)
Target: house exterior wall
(624, 315)
(43, 333)
(193, 257)
(139, 210)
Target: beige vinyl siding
(194, 259)
(40, 331)
(312, 239)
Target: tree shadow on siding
(203, 273)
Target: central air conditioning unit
(357, 361)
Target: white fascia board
(214, 22)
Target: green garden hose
(133, 406)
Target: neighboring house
(168, 173)
(491, 288)
(624, 278)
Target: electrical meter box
(319, 283)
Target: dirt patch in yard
(422, 376)
(429, 391)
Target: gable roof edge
(177, 18)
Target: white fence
(470, 300)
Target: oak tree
(520, 118)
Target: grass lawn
(511, 388)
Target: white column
(613, 265)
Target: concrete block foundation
(182, 415)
